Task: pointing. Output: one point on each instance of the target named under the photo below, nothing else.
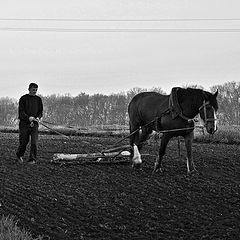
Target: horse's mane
(190, 93)
(197, 94)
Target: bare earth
(113, 201)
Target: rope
(176, 129)
(54, 130)
(48, 122)
(163, 131)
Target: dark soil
(113, 201)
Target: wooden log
(64, 156)
(121, 148)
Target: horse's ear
(216, 93)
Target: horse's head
(208, 111)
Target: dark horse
(173, 115)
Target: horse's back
(146, 106)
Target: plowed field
(113, 201)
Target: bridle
(204, 106)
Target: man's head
(33, 87)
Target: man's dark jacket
(30, 106)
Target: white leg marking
(136, 155)
(215, 122)
(188, 169)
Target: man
(30, 111)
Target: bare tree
(98, 109)
(229, 102)
(8, 111)
(195, 86)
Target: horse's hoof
(192, 173)
(157, 170)
(137, 166)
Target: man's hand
(31, 119)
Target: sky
(64, 61)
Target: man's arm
(40, 109)
(21, 111)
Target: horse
(174, 116)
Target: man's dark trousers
(25, 132)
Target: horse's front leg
(158, 163)
(188, 144)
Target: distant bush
(10, 231)
(94, 131)
(225, 134)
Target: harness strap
(204, 105)
(174, 104)
(175, 107)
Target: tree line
(86, 110)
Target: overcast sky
(63, 61)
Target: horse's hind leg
(135, 155)
(164, 142)
(137, 138)
(134, 135)
(133, 139)
(143, 136)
